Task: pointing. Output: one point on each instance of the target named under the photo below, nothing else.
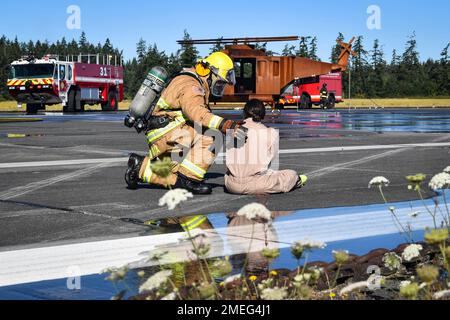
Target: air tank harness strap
(156, 134)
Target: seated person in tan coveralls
(248, 166)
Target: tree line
(372, 75)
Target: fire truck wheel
(113, 102)
(331, 102)
(32, 108)
(70, 106)
(305, 102)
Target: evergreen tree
(336, 51)
(30, 48)
(263, 47)
(107, 47)
(444, 54)
(188, 54)
(62, 47)
(303, 50)
(218, 46)
(141, 49)
(411, 74)
(411, 55)
(443, 80)
(83, 43)
(313, 49)
(377, 72)
(288, 51)
(359, 68)
(395, 61)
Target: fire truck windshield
(27, 71)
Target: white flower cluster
(232, 278)
(378, 181)
(255, 211)
(155, 281)
(170, 296)
(392, 261)
(274, 294)
(339, 251)
(174, 197)
(441, 294)
(440, 181)
(447, 170)
(302, 278)
(312, 244)
(412, 251)
(404, 284)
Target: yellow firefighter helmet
(220, 67)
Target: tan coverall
(248, 167)
(184, 101)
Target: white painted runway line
(33, 186)
(58, 262)
(61, 163)
(369, 147)
(222, 155)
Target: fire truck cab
(72, 81)
(305, 92)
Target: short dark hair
(255, 109)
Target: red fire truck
(71, 81)
(305, 92)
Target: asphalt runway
(62, 179)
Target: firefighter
(185, 101)
(324, 96)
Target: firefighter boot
(195, 187)
(132, 175)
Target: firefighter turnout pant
(190, 150)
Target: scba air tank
(146, 97)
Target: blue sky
(163, 22)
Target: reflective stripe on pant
(191, 223)
(194, 148)
(199, 157)
(193, 169)
(154, 151)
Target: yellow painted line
(16, 135)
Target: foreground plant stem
(305, 263)
(433, 215)
(446, 207)
(338, 271)
(175, 289)
(198, 255)
(244, 267)
(397, 220)
(442, 247)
